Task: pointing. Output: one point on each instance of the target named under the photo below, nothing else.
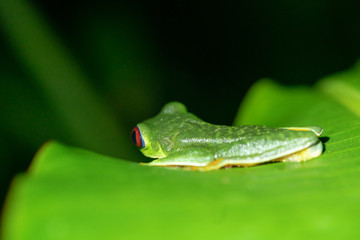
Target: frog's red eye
(136, 137)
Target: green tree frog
(178, 138)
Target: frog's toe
(158, 162)
(224, 163)
(213, 165)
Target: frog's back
(202, 134)
(174, 124)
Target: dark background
(138, 55)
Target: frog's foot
(303, 155)
(213, 165)
(221, 163)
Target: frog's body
(179, 138)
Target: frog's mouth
(153, 150)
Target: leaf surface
(70, 193)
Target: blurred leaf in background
(54, 98)
(85, 72)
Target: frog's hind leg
(303, 155)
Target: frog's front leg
(192, 157)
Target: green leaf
(70, 193)
(344, 87)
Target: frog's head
(152, 135)
(142, 136)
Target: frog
(178, 138)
